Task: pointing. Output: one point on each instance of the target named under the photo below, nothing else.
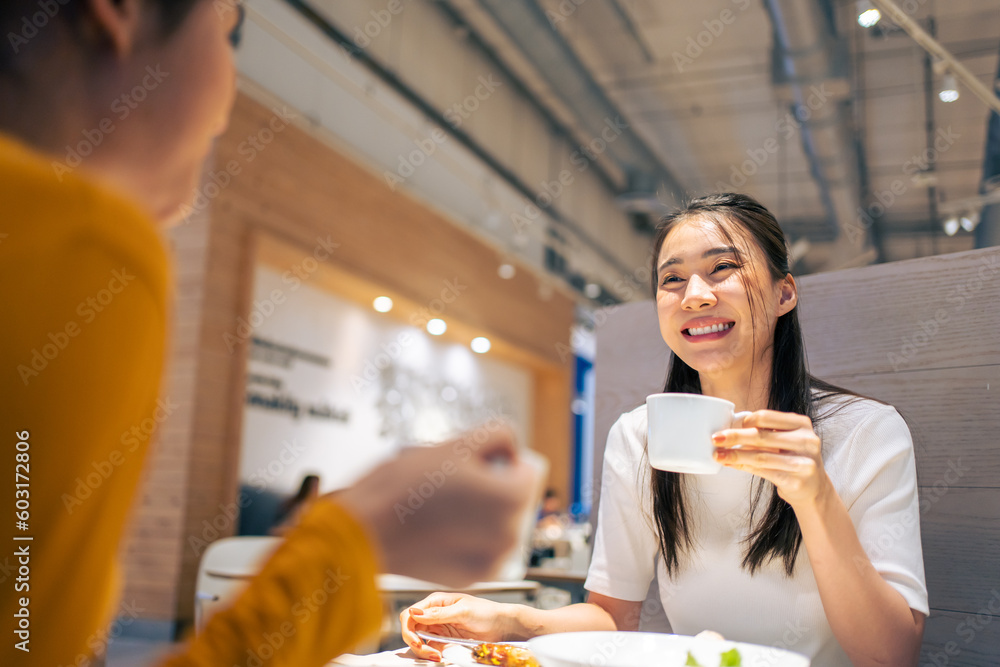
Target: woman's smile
(707, 328)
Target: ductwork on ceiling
(807, 58)
(649, 181)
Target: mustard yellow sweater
(84, 286)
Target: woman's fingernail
(718, 437)
(416, 612)
(720, 454)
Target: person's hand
(450, 513)
(781, 447)
(453, 615)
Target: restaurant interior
(425, 215)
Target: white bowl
(650, 649)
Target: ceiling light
(506, 271)
(592, 290)
(868, 15)
(951, 226)
(480, 345)
(969, 221)
(382, 304)
(436, 327)
(949, 88)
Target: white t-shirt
(868, 454)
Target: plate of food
(639, 649)
(513, 654)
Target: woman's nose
(697, 294)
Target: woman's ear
(788, 295)
(117, 22)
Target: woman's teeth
(715, 328)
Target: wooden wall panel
(870, 330)
(952, 639)
(960, 528)
(953, 415)
(934, 312)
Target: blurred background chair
(225, 569)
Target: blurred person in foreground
(87, 173)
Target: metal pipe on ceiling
(807, 61)
(932, 46)
(528, 27)
(407, 92)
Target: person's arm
(460, 615)
(871, 619)
(314, 599)
(599, 612)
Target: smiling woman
(813, 467)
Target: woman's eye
(670, 279)
(722, 266)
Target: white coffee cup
(679, 436)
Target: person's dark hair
(774, 529)
(310, 484)
(14, 13)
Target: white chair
(226, 568)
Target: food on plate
(730, 658)
(503, 655)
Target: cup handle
(739, 417)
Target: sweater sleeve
(314, 600)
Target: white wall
(388, 383)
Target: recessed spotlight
(382, 304)
(969, 221)
(868, 14)
(436, 327)
(951, 226)
(506, 271)
(480, 345)
(592, 290)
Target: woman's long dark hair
(774, 529)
